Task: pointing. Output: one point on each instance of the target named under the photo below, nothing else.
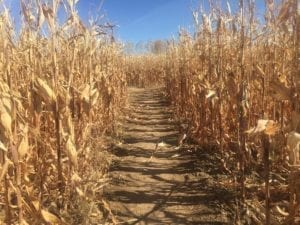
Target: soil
(153, 180)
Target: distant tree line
(154, 47)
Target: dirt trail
(166, 186)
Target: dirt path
(155, 182)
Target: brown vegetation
(234, 84)
(60, 93)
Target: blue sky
(143, 20)
(140, 20)
(136, 20)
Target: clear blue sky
(143, 20)
(140, 20)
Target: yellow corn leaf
(45, 91)
(41, 17)
(50, 218)
(48, 14)
(280, 91)
(47, 216)
(23, 222)
(36, 205)
(268, 127)
(211, 94)
(6, 120)
(27, 14)
(6, 101)
(2, 146)
(5, 168)
(271, 128)
(55, 6)
(293, 142)
(94, 97)
(281, 211)
(260, 71)
(85, 94)
(71, 152)
(79, 191)
(261, 126)
(72, 3)
(4, 87)
(284, 13)
(70, 127)
(75, 178)
(23, 146)
(283, 80)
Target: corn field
(234, 82)
(60, 93)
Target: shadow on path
(154, 181)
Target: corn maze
(234, 84)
